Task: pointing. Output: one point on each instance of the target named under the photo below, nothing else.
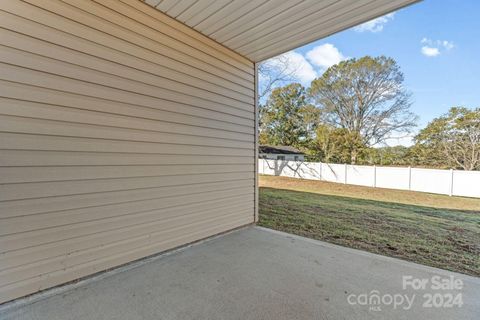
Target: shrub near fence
(449, 182)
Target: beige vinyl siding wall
(123, 133)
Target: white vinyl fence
(449, 182)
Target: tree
(275, 72)
(452, 140)
(287, 118)
(366, 98)
(336, 145)
(388, 156)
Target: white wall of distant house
(449, 182)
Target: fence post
(374, 175)
(409, 178)
(346, 169)
(451, 183)
(320, 170)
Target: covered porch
(130, 128)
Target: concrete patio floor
(251, 273)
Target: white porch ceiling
(261, 29)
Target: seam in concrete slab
(50, 292)
(462, 276)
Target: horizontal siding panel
(17, 141)
(122, 53)
(125, 66)
(127, 80)
(109, 34)
(17, 208)
(49, 80)
(15, 158)
(12, 107)
(125, 210)
(28, 117)
(122, 134)
(113, 247)
(36, 253)
(74, 237)
(59, 188)
(64, 173)
(62, 233)
(66, 129)
(170, 239)
(198, 117)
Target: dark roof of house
(279, 150)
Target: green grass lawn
(438, 237)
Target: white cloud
(430, 51)
(433, 48)
(375, 25)
(300, 67)
(305, 68)
(325, 56)
(447, 44)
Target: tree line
(348, 114)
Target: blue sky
(435, 42)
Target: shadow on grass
(444, 238)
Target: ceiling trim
(261, 29)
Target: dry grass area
(379, 194)
(434, 230)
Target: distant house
(280, 153)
